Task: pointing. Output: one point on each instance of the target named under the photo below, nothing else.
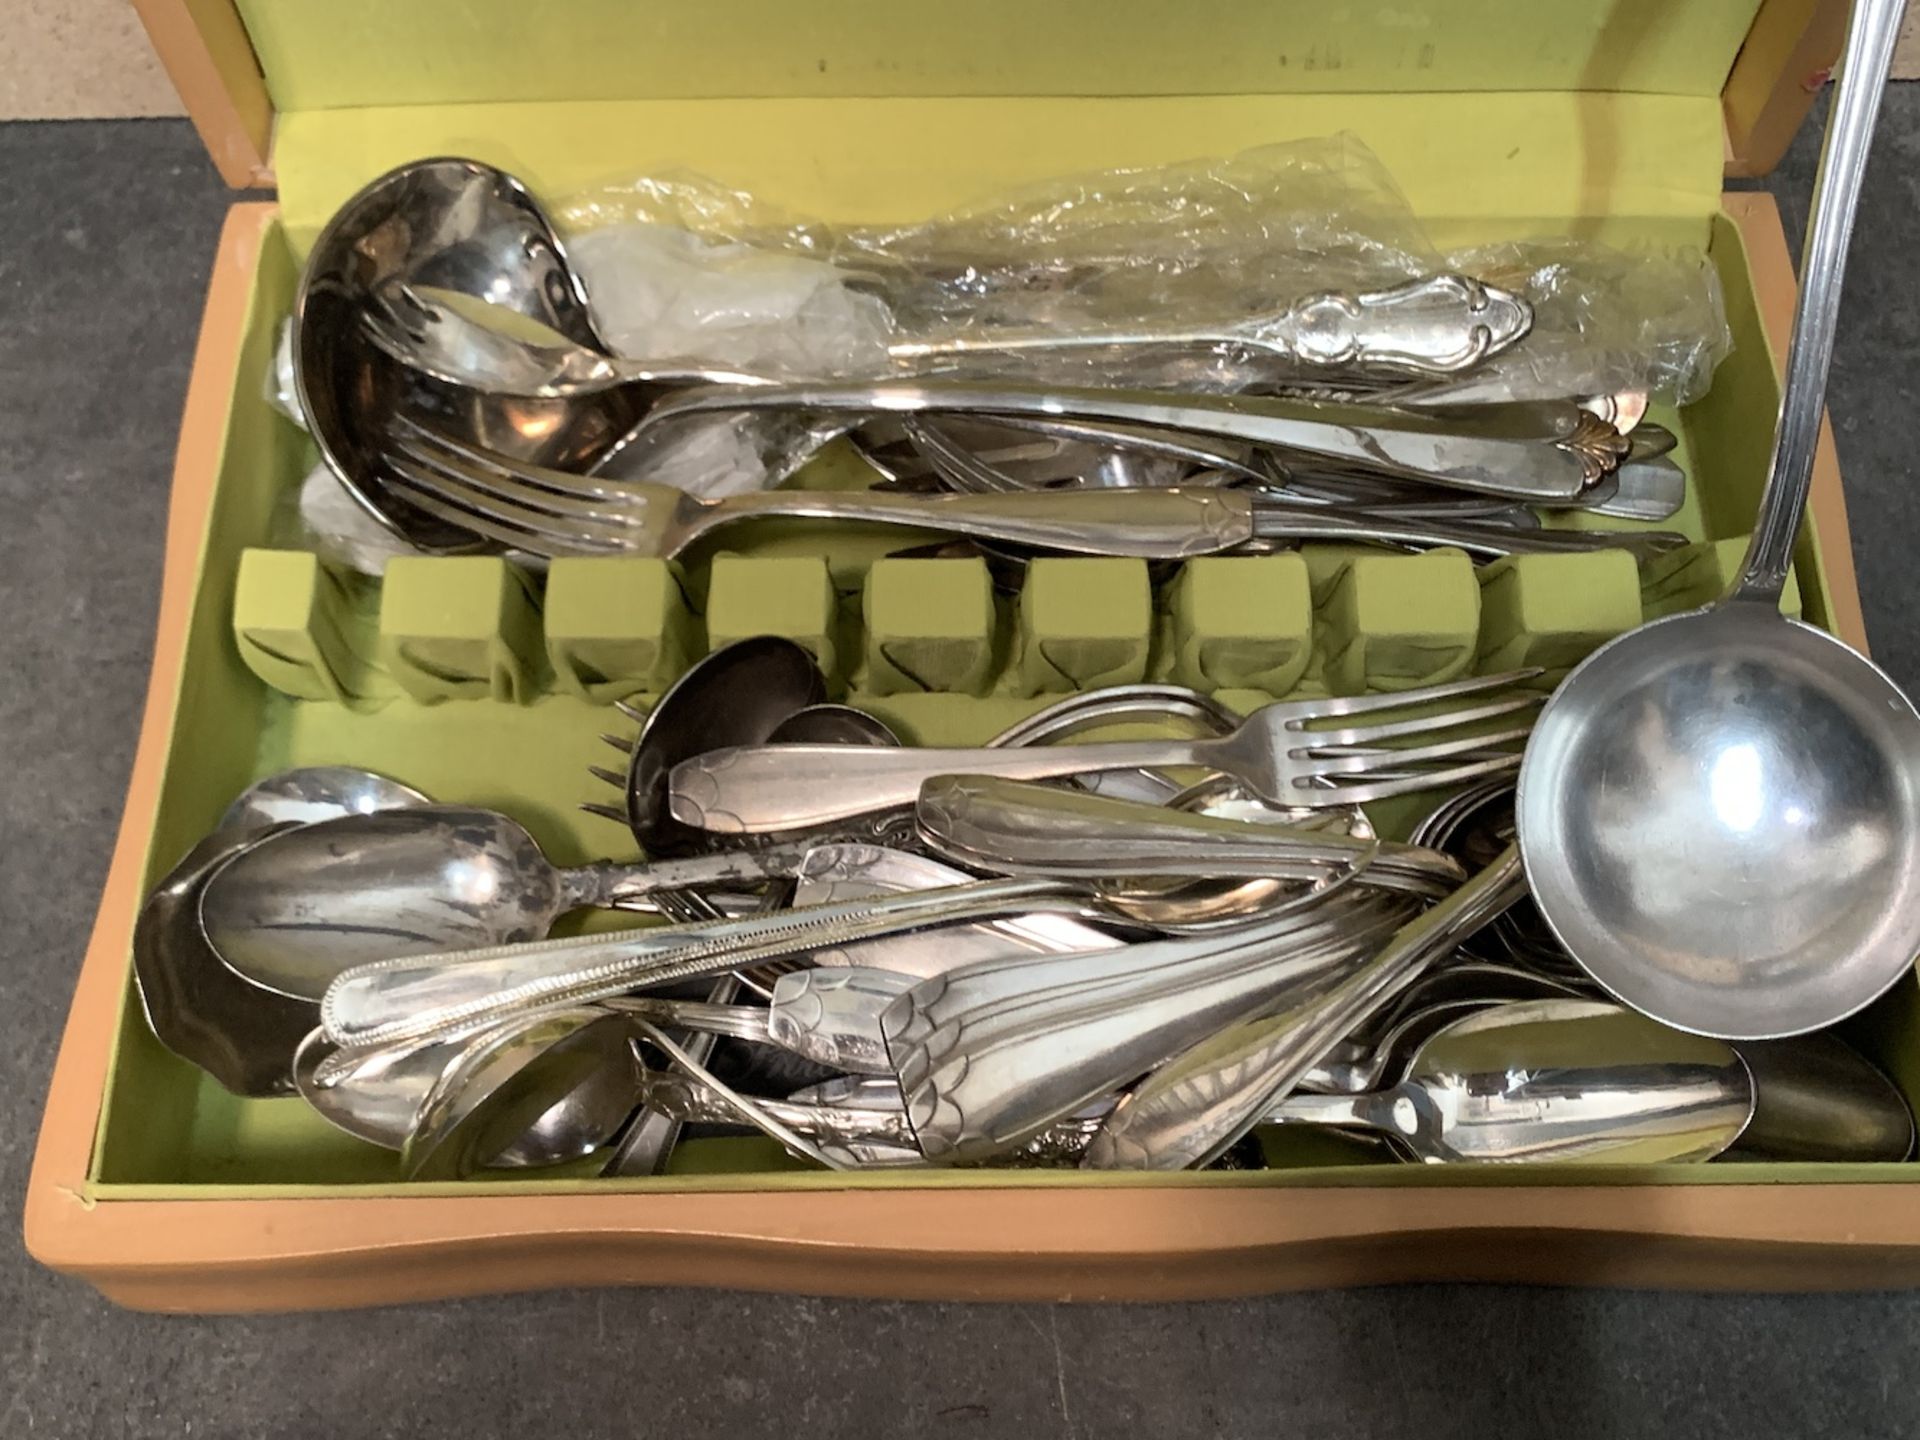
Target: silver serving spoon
(307, 903)
(1570, 1081)
(365, 887)
(1720, 811)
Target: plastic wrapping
(1198, 249)
(1179, 265)
(662, 293)
(1605, 319)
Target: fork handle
(751, 789)
(1169, 524)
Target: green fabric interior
(924, 643)
(342, 54)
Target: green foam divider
(791, 596)
(1242, 622)
(930, 626)
(615, 626)
(460, 628)
(1397, 622)
(1552, 611)
(1084, 623)
(289, 624)
(1697, 575)
(1325, 619)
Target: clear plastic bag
(682, 269)
(1187, 250)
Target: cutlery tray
(479, 682)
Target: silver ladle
(1720, 811)
(458, 226)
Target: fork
(749, 789)
(550, 512)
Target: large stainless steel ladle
(1720, 812)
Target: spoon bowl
(832, 725)
(291, 913)
(1572, 1081)
(737, 695)
(1721, 817)
(551, 1089)
(1817, 1098)
(200, 1008)
(314, 793)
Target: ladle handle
(1823, 263)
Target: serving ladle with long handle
(1720, 811)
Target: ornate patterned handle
(989, 1056)
(1435, 325)
(749, 789)
(419, 999)
(833, 1016)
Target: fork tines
(525, 507)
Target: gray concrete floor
(106, 235)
